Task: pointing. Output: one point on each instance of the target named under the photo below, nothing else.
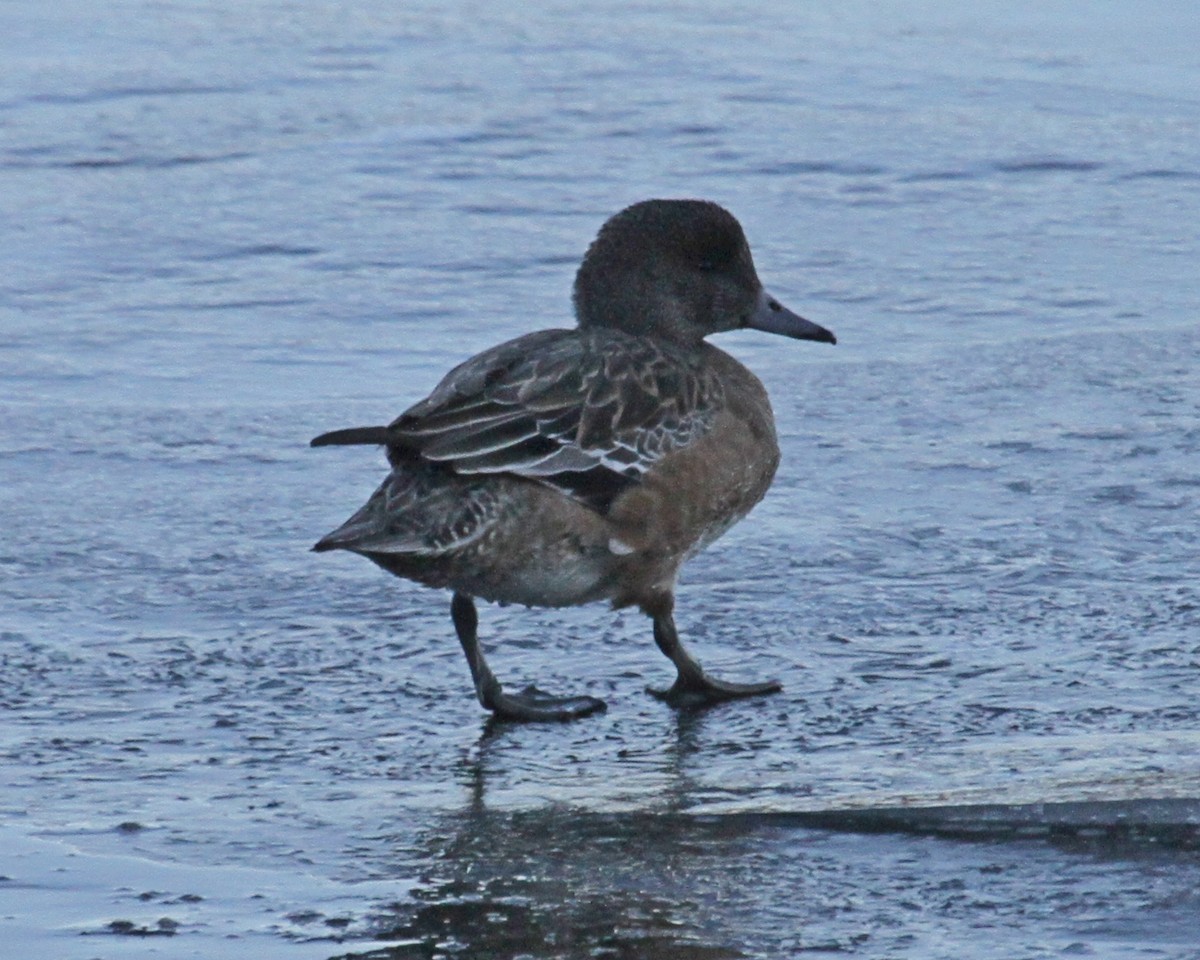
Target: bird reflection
(560, 881)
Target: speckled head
(678, 269)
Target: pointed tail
(351, 435)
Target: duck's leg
(692, 686)
(531, 703)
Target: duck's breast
(696, 493)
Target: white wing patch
(619, 547)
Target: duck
(569, 466)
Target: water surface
(230, 227)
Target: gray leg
(531, 703)
(466, 625)
(692, 686)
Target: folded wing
(588, 412)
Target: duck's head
(679, 269)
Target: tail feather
(351, 435)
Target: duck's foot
(692, 686)
(533, 705)
(706, 691)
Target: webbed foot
(532, 704)
(708, 691)
(692, 686)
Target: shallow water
(230, 227)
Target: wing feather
(589, 412)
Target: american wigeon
(567, 466)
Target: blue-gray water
(230, 226)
